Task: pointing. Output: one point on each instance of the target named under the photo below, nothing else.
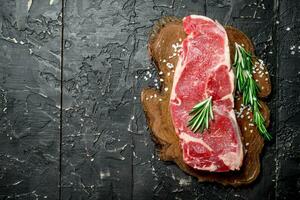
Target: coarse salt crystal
(170, 65)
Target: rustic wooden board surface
(71, 123)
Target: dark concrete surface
(71, 123)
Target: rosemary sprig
(201, 114)
(260, 122)
(248, 87)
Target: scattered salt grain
(292, 47)
(170, 65)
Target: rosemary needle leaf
(248, 87)
(201, 114)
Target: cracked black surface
(104, 150)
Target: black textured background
(71, 123)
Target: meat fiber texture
(203, 71)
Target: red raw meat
(203, 70)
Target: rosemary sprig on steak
(247, 86)
(201, 114)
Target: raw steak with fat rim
(203, 70)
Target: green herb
(201, 114)
(248, 87)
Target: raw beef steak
(203, 70)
